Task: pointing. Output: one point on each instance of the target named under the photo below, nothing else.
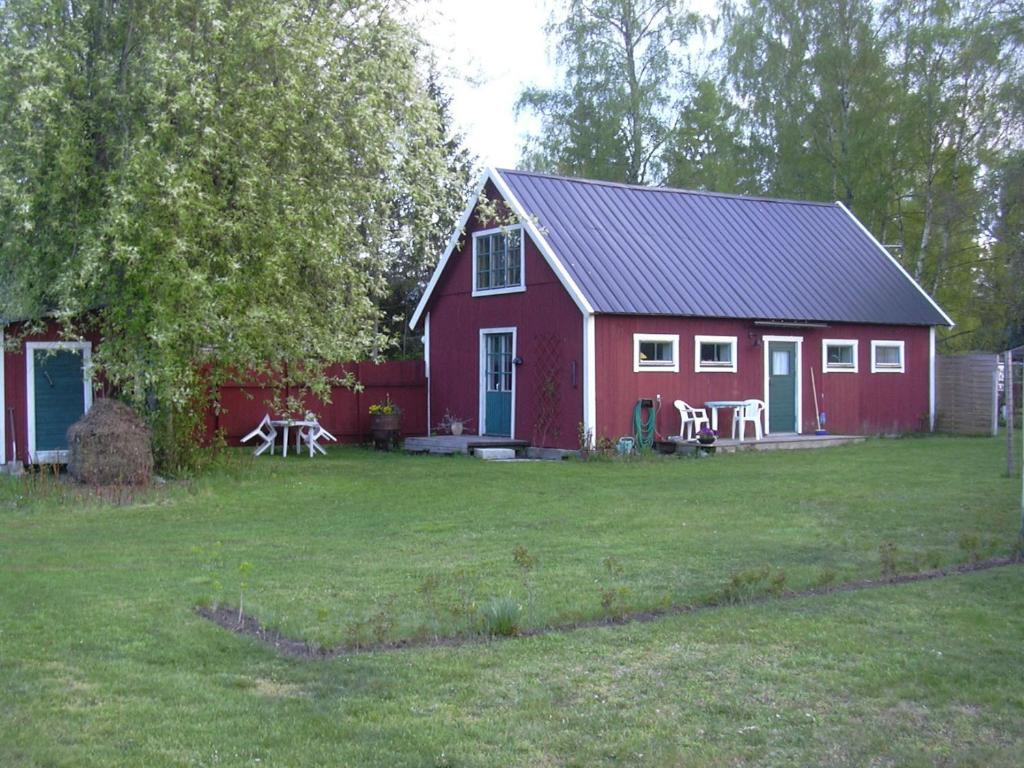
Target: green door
(59, 396)
(498, 384)
(782, 386)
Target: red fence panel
(244, 403)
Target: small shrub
(750, 584)
(500, 617)
(826, 578)
(970, 545)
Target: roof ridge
(671, 190)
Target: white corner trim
(799, 341)
(931, 379)
(426, 365)
(482, 379)
(699, 367)
(899, 343)
(899, 266)
(826, 343)
(589, 377)
(30, 391)
(3, 404)
(639, 366)
(520, 287)
(492, 175)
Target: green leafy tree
(612, 115)
(209, 184)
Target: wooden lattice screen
(966, 395)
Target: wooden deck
(449, 444)
(787, 442)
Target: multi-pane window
(655, 352)
(499, 260)
(839, 355)
(715, 353)
(887, 357)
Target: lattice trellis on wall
(547, 389)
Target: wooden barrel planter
(385, 427)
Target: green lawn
(102, 661)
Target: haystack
(110, 446)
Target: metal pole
(1011, 411)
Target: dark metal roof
(657, 251)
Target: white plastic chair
(266, 432)
(749, 413)
(312, 436)
(691, 419)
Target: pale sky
(489, 51)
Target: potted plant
(385, 421)
(707, 436)
(452, 424)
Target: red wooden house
(591, 296)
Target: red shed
(584, 297)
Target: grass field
(103, 662)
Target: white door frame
(482, 379)
(799, 341)
(30, 392)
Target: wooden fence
(243, 404)
(966, 394)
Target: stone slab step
(494, 454)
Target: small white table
(714, 405)
(287, 424)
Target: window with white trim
(498, 261)
(839, 355)
(655, 352)
(714, 354)
(887, 357)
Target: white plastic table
(287, 424)
(714, 405)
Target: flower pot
(706, 440)
(457, 428)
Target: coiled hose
(643, 429)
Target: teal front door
(497, 389)
(782, 386)
(58, 400)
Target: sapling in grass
(244, 568)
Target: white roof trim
(899, 266)
(492, 175)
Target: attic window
(655, 352)
(498, 260)
(887, 357)
(714, 353)
(839, 355)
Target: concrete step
(494, 454)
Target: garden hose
(643, 428)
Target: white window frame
(522, 261)
(826, 367)
(699, 367)
(901, 368)
(30, 389)
(641, 366)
